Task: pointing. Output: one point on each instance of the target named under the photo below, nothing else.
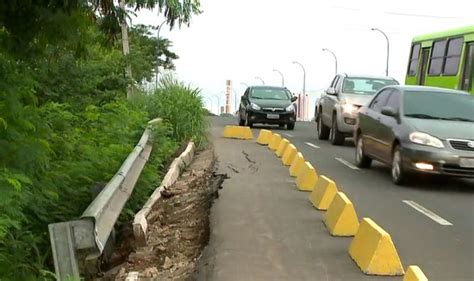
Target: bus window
(453, 56)
(468, 72)
(437, 57)
(415, 53)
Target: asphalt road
(283, 237)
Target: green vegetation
(65, 125)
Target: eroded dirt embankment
(178, 226)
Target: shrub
(181, 106)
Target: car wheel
(241, 121)
(323, 130)
(290, 126)
(337, 138)
(361, 159)
(399, 175)
(248, 123)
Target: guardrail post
(66, 238)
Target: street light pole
(333, 54)
(158, 41)
(388, 47)
(282, 78)
(259, 78)
(304, 76)
(218, 104)
(301, 109)
(235, 100)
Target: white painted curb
(140, 223)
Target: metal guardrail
(78, 244)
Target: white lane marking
(312, 145)
(347, 164)
(426, 212)
(288, 135)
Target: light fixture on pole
(333, 54)
(282, 78)
(259, 78)
(388, 47)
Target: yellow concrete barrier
(341, 218)
(274, 142)
(414, 273)
(307, 177)
(323, 193)
(297, 164)
(282, 147)
(289, 155)
(264, 137)
(373, 251)
(238, 132)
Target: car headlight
(425, 139)
(255, 106)
(349, 108)
(290, 108)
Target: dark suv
(267, 105)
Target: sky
(243, 39)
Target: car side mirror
(331, 91)
(294, 98)
(389, 111)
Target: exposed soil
(178, 226)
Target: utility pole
(126, 49)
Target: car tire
(361, 159)
(241, 121)
(290, 126)
(399, 174)
(337, 138)
(323, 130)
(248, 123)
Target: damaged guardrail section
(77, 244)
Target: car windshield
(270, 94)
(439, 105)
(365, 86)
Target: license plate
(273, 116)
(466, 162)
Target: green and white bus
(443, 59)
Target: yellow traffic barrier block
(297, 164)
(289, 155)
(264, 137)
(373, 251)
(323, 193)
(274, 142)
(238, 132)
(281, 147)
(414, 273)
(307, 177)
(341, 218)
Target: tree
(148, 52)
(31, 25)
